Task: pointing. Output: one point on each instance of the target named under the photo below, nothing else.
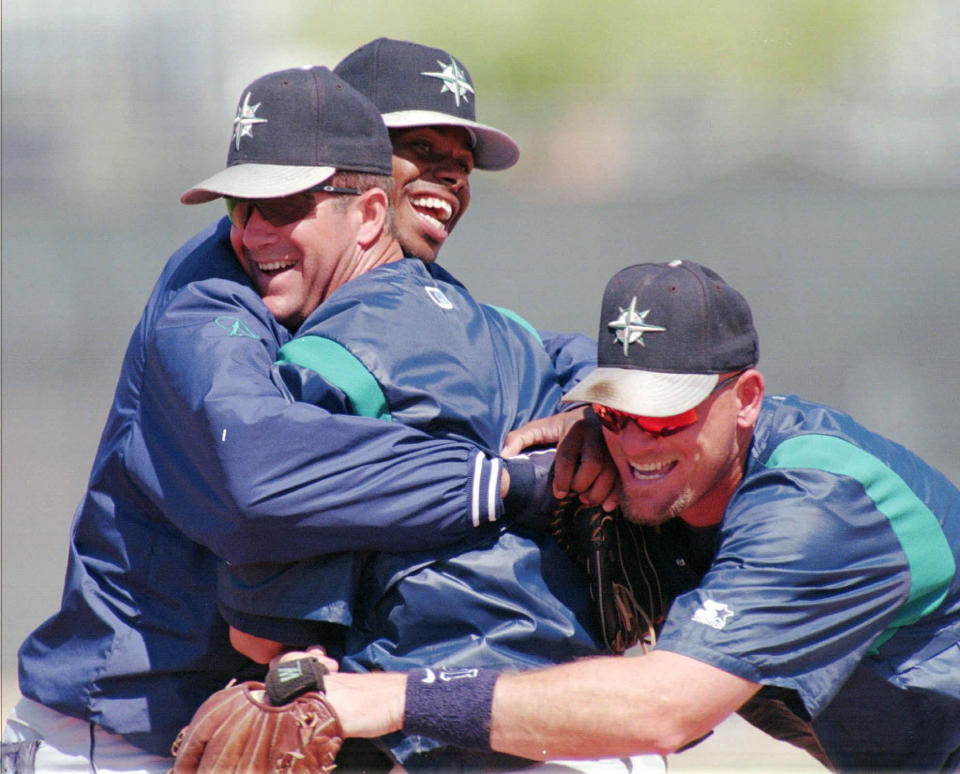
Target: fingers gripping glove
(529, 501)
(624, 585)
(240, 729)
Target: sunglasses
(615, 420)
(657, 427)
(282, 211)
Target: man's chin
(419, 249)
(287, 317)
(650, 514)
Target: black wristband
(290, 679)
(529, 501)
(451, 705)
(522, 485)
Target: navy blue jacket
(835, 577)
(407, 343)
(205, 456)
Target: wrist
(368, 705)
(452, 706)
(521, 484)
(529, 501)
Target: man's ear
(750, 395)
(372, 208)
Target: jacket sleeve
(245, 470)
(573, 355)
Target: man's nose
(258, 231)
(633, 437)
(450, 173)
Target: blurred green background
(807, 150)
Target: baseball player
(428, 102)
(190, 467)
(406, 343)
(800, 559)
(183, 475)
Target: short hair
(364, 181)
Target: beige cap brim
(257, 181)
(646, 393)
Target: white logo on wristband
(458, 674)
(447, 675)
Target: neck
(384, 250)
(708, 510)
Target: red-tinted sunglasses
(656, 427)
(282, 211)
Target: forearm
(258, 649)
(602, 707)
(594, 708)
(258, 477)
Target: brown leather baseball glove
(285, 726)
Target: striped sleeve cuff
(485, 503)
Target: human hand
(540, 432)
(582, 465)
(284, 724)
(316, 651)
(368, 705)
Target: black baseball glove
(624, 585)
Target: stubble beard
(639, 512)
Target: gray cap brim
(647, 393)
(494, 150)
(257, 181)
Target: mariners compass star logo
(630, 326)
(454, 80)
(245, 120)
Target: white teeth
(432, 202)
(431, 219)
(651, 470)
(275, 265)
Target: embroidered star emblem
(454, 80)
(630, 326)
(245, 120)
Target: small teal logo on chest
(236, 327)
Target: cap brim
(494, 150)
(647, 393)
(257, 181)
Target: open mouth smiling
(433, 209)
(652, 471)
(273, 267)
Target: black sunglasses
(282, 211)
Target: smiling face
(431, 170)
(692, 473)
(294, 267)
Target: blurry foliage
(538, 50)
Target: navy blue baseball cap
(667, 332)
(293, 130)
(414, 85)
